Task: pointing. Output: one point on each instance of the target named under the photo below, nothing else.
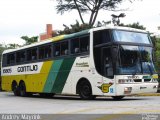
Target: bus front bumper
(131, 89)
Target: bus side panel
(52, 76)
(7, 83)
(36, 82)
(82, 69)
(62, 76)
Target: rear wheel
(22, 89)
(85, 90)
(15, 88)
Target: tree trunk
(79, 12)
(94, 19)
(91, 18)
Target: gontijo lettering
(27, 68)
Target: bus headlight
(154, 80)
(123, 81)
(127, 90)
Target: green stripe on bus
(52, 76)
(63, 75)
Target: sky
(29, 17)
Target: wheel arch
(21, 81)
(79, 81)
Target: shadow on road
(75, 98)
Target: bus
(104, 61)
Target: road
(65, 105)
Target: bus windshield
(133, 37)
(135, 60)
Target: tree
(74, 28)
(134, 25)
(87, 6)
(157, 54)
(2, 48)
(29, 40)
(13, 46)
(115, 18)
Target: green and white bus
(103, 61)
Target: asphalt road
(72, 105)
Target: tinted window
(20, 56)
(45, 52)
(32, 54)
(79, 45)
(11, 58)
(84, 44)
(56, 49)
(101, 37)
(64, 48)
(75, 46)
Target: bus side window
(101, 37)
(75, 46)
(48, 51)
(32, 54)
(84, 44)
(20, 56)
(64, 48)
(4, 60)
(29, 52)
(41, 52)
(11, 58)
(56, 51)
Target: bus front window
(146, 58)
(129, 62)
(135, 60)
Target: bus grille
(147, 80)
(137, 80)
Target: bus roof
(68, 36)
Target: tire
(15, 89)
(85, 90)
(117, 97)
(22, 89)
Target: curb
(149, 94)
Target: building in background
(48, 34)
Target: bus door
(106, 62)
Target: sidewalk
(149, 94)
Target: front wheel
(85, 90)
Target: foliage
(74, 28)
(13, 46)
(2, 48)
(157, 54)
(115, 18)
(134, 25)
(88, 6)
(29, 40)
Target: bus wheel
(22, 89)
(15, 88)
(117, 97)
(85, 90)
